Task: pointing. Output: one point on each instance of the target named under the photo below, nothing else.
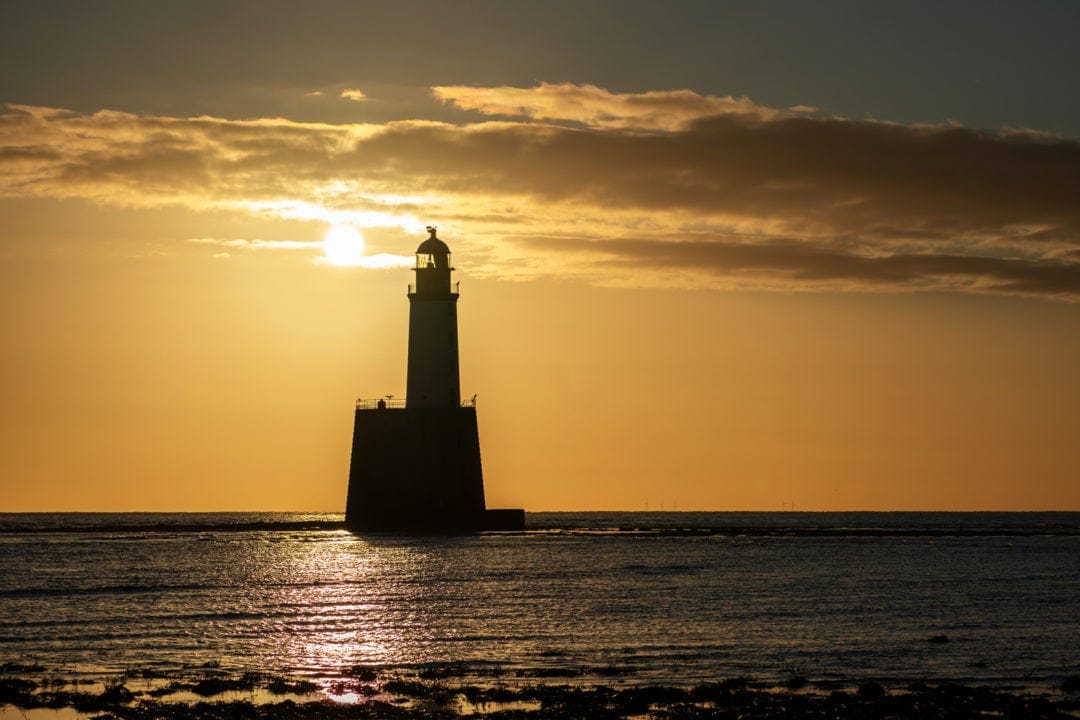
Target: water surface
(662, 597)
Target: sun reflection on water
(345, 605)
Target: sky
(713, 255)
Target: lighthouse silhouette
(416, 464)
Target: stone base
(504, 519)
(418, 470)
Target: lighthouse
(433, 343)
(415, 463)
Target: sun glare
(343, 245)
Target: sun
(343, 245)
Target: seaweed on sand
(435, 700)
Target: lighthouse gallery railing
(395, 402)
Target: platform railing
(391, 402)
(376, 403)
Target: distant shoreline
(666, 529)
(268, 526)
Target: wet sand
(434, 692)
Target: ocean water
(674, 598)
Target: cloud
(353, 94)
(763, 264)
(373, 261)
(777, 198)
(598, 108)
(258, 244)
(378, 261)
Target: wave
(123, 589)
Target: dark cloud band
(801, 262)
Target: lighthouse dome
(433, 246)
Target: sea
(675, 598)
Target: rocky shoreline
(433, 692)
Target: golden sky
(668, 295)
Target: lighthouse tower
(416, 464)
(433, 345)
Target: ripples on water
(575, 593)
